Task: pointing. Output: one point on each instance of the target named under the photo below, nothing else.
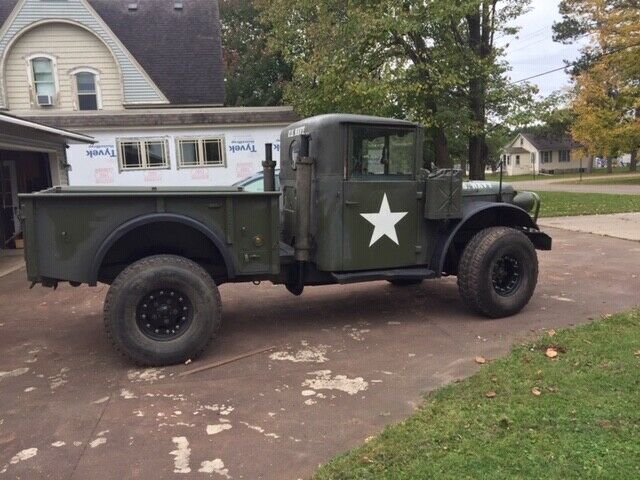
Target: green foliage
(255, 75)
(411, 59)
(583, 424)
(607, 100)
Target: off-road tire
(405, 283)
(147, 275)
(476, 270)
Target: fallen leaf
(551, 353)
(491, 394)
(637, 354)
(551, 333)
(481, 360)
(606, 424)
(536, 391)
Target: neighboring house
(145, 78)
(535, 154)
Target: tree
(607, 102)
(255, 75)
(432, 62)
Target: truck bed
(70, 232)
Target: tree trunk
(463, 165)
(443, 160)
(609, 165)
(479, 43)
(633, 163)
(589, 164)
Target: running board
(371, 275)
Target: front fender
(479, 215)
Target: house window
(143, 154)
(201, 152)
(517, 159)
(508, 160)
(564, 156)
(533, 158)
(44, 82)
(87, 89)
(545, 157)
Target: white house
(528, 153)
(145, 78)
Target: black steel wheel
(498, 272)
(506, 276)
(164, 314)
(162, 310)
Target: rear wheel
(162, 310)
(498, 272)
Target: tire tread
(139, 267)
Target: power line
(573, 64)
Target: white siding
(71, 47)
(244, 151)
(557, 166)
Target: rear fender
(212, 234)
(480, 215)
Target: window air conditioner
(45, 100)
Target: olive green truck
(355, 204)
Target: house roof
(6, 7)
(180, 49)
(542, 143)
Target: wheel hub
(506, 275)
(164, 314)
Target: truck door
(380, 192)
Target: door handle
(349, 203)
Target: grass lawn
(562, 204)
(583, 421)
(635, 180)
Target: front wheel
(498, 272)
(162, 310)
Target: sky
(533, 50)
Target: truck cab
(365, 200)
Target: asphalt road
(349, 360)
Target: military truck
(356, 205)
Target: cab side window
(381, 151)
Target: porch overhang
(26, 129)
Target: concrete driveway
(349, 360)
(618, 225)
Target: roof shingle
(180, 49)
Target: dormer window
(87, 90)
(44, 81)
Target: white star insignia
(384, 222)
